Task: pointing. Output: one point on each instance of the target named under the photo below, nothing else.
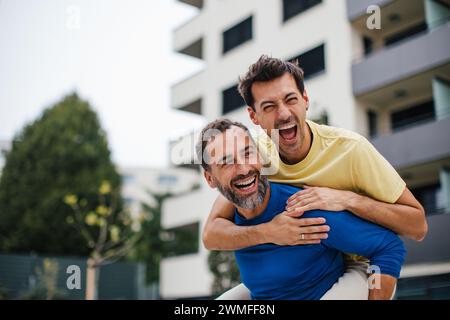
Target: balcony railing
(415, 145)
(404, 59)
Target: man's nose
(283, 112)
(242, 166)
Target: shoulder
(282, 191)
(335, 134)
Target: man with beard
(338, 169)
(232, 164)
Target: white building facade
(361, 79)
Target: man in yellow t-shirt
(338, 169)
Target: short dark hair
(268, 69)
(210, 131)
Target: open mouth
(288, 133)
(247, 184)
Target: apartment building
(391, 85)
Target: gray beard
(248, 203)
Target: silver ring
(303, 236)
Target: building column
(445, 186)
(435, 13)
(441, 96)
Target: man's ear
(209, 179)
(306, 98)
(252, 115)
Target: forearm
(222, 234)
(383, 287)
(402, 219)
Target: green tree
(63, 152)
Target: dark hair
(210, 131)
(268, 69)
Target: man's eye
(292, 100)
(249, 152)
(268, 108)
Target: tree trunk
(93, 273)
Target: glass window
(430, 197)
(406, 34)
(292, 8)
(237, 34)
(368, 45)
(413, 115)
(372, 119)
(231, 99)
(313, 61)
(167, 180)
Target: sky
(116, 54)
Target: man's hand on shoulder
(318, 198)
(284, 230)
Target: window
(372, 119)
(292, 8)
(167, 180)
(431, 198)
(231, 99)
(313, 61)
(412, 116)
(368, 45)
(237, 34)
(406, 34)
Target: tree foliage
(63, 152)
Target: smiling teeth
(246, 182)
(288, 127)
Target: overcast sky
(117, 54)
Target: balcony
(416, 145)
(413, 56)
(186, 94)
(188, 37)
(189, 207)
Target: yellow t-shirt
(338, 159)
